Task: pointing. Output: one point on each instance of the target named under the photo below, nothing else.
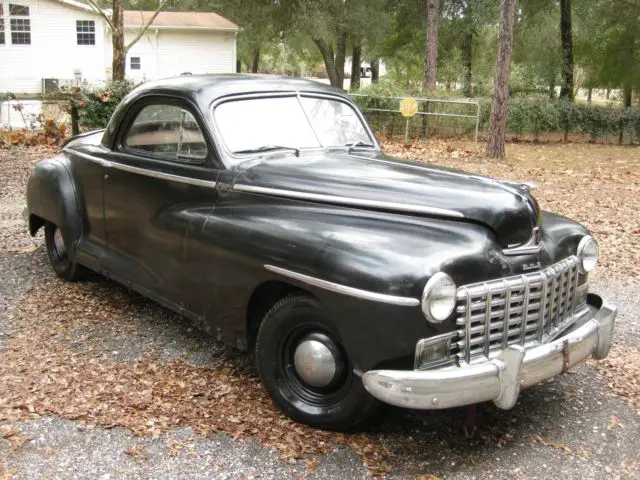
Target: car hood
(378, 182)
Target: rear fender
(52, 197)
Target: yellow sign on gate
(408, 107)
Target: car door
(88, 172)
(160, 185)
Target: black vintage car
(262, 209)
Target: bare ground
(99, 382)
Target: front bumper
(499, 379)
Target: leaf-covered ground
(98, 355)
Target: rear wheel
(58, 255)
(306, 369)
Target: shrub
(96, 104)
(532, 115)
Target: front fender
(561, 235)
(372, 251)
(51, 197)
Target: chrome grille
(521, 310)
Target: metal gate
(384, 116)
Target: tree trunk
(627, 93)
(552, 87)
(255, 63)
(589, 92)
(75, 124)
(356, 60)
(375, 69)
(495, 145)
(467, 55)
(566, 38)
(431, 46)
(467, 52)
(118, 64)
(341, 53)
(329, 63)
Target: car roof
(206, 89)
(212, 87)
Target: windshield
(256, 124)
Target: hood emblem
(531, 266)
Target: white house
(44, 42)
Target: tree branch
(94, 6)
(144, 29)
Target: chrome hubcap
(58, 242)
(315, 363)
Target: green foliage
(597, 121)
(387, 86)
(532, 115)
(536, 115)
(96, 104)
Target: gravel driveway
(98, 382)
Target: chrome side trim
(344, 290)
(86, 156)
(164, 176)
(352, 202)
(142, 171)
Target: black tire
(340, 405)
(59, 259)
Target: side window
(167, 131)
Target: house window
(18, 10)
(135, 63)
(20, 31)
(86, 32)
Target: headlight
(438, 297)
(588, 254)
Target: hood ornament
(533, 245)
(526, 186)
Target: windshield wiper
(267, 148)
(359, 143)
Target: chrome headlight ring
(438, 298)
(587, 252)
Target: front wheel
(58, 255)
(306, 369)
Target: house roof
(165, 20)
(78, 5)
(179, 20)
